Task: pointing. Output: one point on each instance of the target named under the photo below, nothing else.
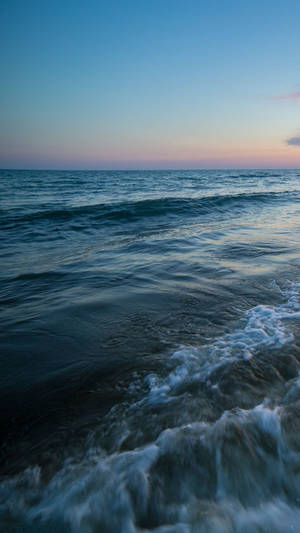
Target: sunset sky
(150, 84)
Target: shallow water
(150, 359)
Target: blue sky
(150, 84)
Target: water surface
(150, 360)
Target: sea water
(150, 351)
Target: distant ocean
(150, 351)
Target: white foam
(263, 326)
(239, 474)
(196, 477)
(112, 493)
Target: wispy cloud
(289, 96)
(293, 141)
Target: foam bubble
(262, 327)
(237, 474)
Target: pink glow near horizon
(290, 96)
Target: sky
(138, 84)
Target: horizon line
(142, 169)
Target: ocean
(150, 351)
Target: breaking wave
(234, 469)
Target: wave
(173, 206)
(265, 328)
(238, 472)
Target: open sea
(150, 351)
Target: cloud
(293, 141)
(290, 96)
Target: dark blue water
(149, 351)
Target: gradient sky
(150, 84)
